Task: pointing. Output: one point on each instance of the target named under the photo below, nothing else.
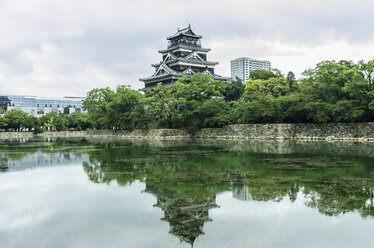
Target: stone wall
(329, 132)
(310, 131)
(7, 135)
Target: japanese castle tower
(184, 56)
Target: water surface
(79, 193)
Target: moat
(207, 193)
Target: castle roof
(184, 57)
(185, 32)
(181, 46)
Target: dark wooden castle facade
(184, 56)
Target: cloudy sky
(67, 47)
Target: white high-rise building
(241, 67)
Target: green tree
(3, 123)
(326, 81)
(291, 108)
(341, 89)
(96, 103)
(49, 124)
(367, 70)
(291, 80)
(79, 120)
(49, 120)
(261, 110)
(175, 106)
(234, 90)
(16, 119)
(120, 109)
(214, 112)
(31, 122)
(143, 116)
(273, 86)
(61, 122)
(264, 74)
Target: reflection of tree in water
(27, 153)
(186, 179)
(336, 196)
(20, 148)
(330, 196)
(186, 216)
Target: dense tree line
(189, 103)
(17, 120)
(331, 92)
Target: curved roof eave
(186, 47)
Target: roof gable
(163, 69)
(207, 72)
(194, 56)
(169, 57)
(189, 31)
(188, 71)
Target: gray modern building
(241, 67)
(38, 106)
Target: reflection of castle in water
(186, 216)
(186, 181)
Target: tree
(61, 122)
(31, 122)
(142, 115)
(97, 105)
(277, 72)
(49, 123)
(340, 90)
(234, 90)
(367, 70)
(214, 113)
(260, 110)
(291, 79)
(79, 121)
(326, 81)
(273, 86)
(3, 123)
(291, 108)
(49, 120)
(16, 119)
(123, 104)
(175, 106)
(264, 74)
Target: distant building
(241, 67)
(184, 56)
(39, 106)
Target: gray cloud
(55, 48)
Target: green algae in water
(304, 163)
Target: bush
(38, 130)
